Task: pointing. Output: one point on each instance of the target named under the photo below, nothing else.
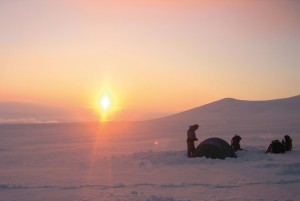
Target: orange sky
(153, 57)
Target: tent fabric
(215, 148)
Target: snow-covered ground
(140, 161)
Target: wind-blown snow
(133, 161)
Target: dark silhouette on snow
(215, 148)
(288, 143)
(276, 147)
(235, 143)
(191, 138)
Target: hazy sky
(150, 57)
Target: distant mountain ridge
(20, 112)
(230, 111)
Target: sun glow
(105, 103)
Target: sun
(105, 103)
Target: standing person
(288, 143)
(191, 138)
(235, 143)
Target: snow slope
(133, 161)
(241, 111)
(231, 115)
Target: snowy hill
(229, 112)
